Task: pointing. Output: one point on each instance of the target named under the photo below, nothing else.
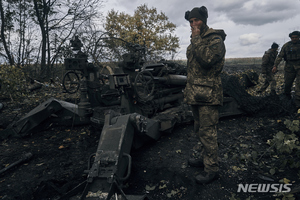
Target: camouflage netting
(255, 105)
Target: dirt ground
(160, 170)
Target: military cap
(274, 45)
(199, 13)
(294, 33)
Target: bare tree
(37, 31)
(5, 20)
(58, 22)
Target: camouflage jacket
(206, 56)
(268, 60)
(289, 52)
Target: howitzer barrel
(168, 99)
(172, 79)
(170, 91)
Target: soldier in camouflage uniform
(266, 67)
(290, 52)
(204, 92)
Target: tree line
(37, 32)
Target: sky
(251, 25)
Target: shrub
(13, 82)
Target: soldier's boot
(196, 162)
(273, 93)
(206, 177)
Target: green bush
(13, 82)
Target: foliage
(286, 196)
(12, 81)
(293, 126)
(286, 143)
(286, 146)
(283, 153)
(146, 27)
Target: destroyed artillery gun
(144, 89)
(140, 101)
(85, 77)
(137, 87)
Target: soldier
(203, 91)
(290, 52)
(266, 67)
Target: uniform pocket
(203, 91)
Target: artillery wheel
(71, 82)
(144, 85)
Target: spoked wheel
(144, 85)
(71, 82)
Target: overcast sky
(251, 25)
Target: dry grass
(235, 61)
(241, 61)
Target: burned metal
(51, 111)
(112, 162)
(84, 76)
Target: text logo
(257, 187)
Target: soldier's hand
(274, 70)
(195, 31)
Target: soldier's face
(196, 23)
(294, 38)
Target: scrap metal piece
(145, 130)
(23, 126)
(53, 110)
(24, 158)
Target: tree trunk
(41, 17)
(8, 54)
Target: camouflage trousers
(292, 72)
(206, 119)
(269, 80)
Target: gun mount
(148, 95)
